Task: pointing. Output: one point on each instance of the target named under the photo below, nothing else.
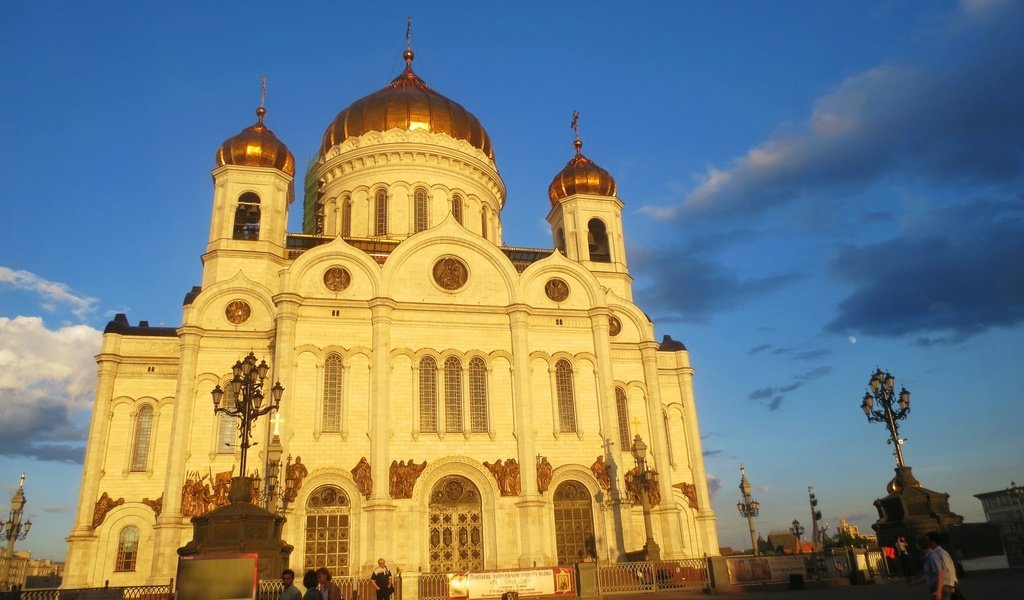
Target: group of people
(319, 586)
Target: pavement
(989, 585)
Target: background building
(450, 403)
(1005, 508)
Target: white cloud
(53, 293)
(47, 379)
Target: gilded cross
(263, 90)
(576, 123)
(277, 419)
(408, 33)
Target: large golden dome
(581, 176)
(407, 103)
(257, 146)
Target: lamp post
(798, 531)
(748, 507)
(14, 530)
(646, 478)
(882, 389)
(244, 399)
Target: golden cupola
(581, 176)
(257, 146)
(407, 103)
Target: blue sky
(812, 190)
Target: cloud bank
(53, 293)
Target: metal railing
(646, 576)
(433, 586)
(352, 588)
(129, 592)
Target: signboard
(765, 569)
(528, 582)
(217, 577)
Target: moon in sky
(853, 339)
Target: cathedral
(449, 402)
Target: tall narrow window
(566, 398)
(457, 208)
(247, 217)
(143, 435)
(623, 412)
(668, 438)
(380, 208)
(560, 240)
(346, 217)
(428, 395)
(227, 436)
(477, 396)
(483, 222)
(452, 395)
(597, 241)
(420, 201)
(331, 422)
(127, 549)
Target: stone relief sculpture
(157, 505)
(196, 495)
(221, 487)
(297, 472)
(362, 474)
(402, 478)
(507, 476)
(633, 488)
(690, 491)
(544, 471)
(600, 470)
(104, 505)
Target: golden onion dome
(257, 146)
(407, 103)
(581, 176)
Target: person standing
(309, 581)
(381, 580)
(328, 589)
(939, 571)
(290, 592)
(903, 555)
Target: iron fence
(646, 576)
(352, 588)
(433, 586)
(130, 592)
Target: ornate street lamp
(798, 531)
(244, 399)
(748, 507)
(646, 478)
(13, 530)
(882, 389)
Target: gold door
(456, 527)
(327, 530)
(574, 524)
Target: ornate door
(574, 524)
(455, 527)
(327, 530)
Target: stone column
(605, 379)
(531, 504)
(283, 366)
(380, 508)
(169, 525)
(707, 530)
(669, 518)
(81, 542)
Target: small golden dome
(581, 176)
(257, 146)
(407, 103)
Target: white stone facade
(390, 320)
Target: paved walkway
(996, 585)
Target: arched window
(457, 208)
(380, 209)
(477, 396)
(483, 222)
(247, 217)
(452, 395)
(331, 422)
(346, 217)
(127, 549)
(143, 435)
(420, 201)
(327, 530)
(428, 394)
(597, 241)
(560, 240)
(227, 436)
(566, 397)
(623, 412)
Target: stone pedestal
(241, 527)
(911, 510)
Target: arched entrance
(327, 530)
(574, 523)
(455, 526)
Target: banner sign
(765, 569)
(528, 582)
